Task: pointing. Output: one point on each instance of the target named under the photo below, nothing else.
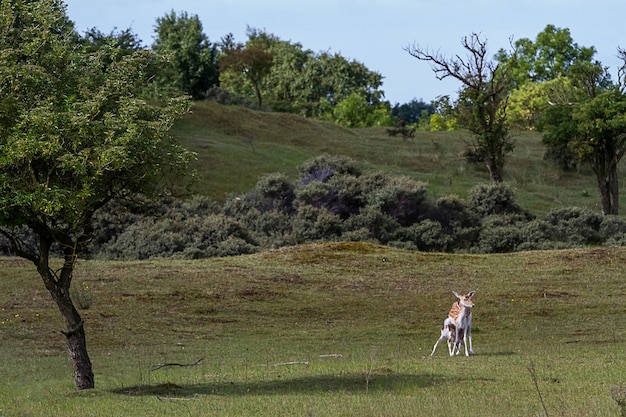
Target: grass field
(322, 330)
(236, 145)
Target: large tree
(482, 100)
(587, 116)
(551, 55)
(191, 66)
(74, 134)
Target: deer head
(465, 300)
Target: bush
(489, 199)
(428, 236)
(372, 225)
(401, 198)
(313, 224)
(323, 167)
(271, 229)
(576, 226)
(499, 234)
(271, 192)
(341, 195)
(613, 231)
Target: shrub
(323, 167)
(372, 225)
(489, 199)
(271, 192)
(271, 229)
(499, 234)
(613, 230)
(401, 198)
(181, 236)
(427, 235)
(575, 226)
(537, 235)
(341, 195)
(313, 224)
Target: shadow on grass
(350, 383)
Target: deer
(457, 327)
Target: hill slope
(236, 145)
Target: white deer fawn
(457, 327)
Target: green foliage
(303, 82)
(355, 111)
(333, 201)
(412, 112)
(591, 126)
(189, 60)
(74, 134)
(552, 54)
(251, 62)
(490, 199)
(576, 226)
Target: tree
(590, 121)
(413, 111)
(74, 135)
(298, 80)
(355, 111)
(552, 54)
(482, 100)
(192, 66)
(253, 62)
(125, 40)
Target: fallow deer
(457, 327)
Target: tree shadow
(349, 383)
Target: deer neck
(460, 314)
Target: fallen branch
(288, 363)
(163, 365)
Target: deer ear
(471, 294)
(456, 294)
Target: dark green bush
(271, 229)
(488, 199)
(576, 226)
(401, 198)
(341, 195)
(499, 234)
(271, 192)
(372, 225)
(613, 230)
(323, 167)
(314, 224)
(427, 236)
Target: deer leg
(443, 336)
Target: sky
(375, 32)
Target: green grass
(236, 145)
(323, 330)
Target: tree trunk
(608, 186)
(614, 186)
(59, 288)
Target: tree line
(552, 85)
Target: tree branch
(163, 365)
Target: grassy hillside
(322, 330)
(236, 145)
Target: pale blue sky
(374, 32)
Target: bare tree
(482, 103)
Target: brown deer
(457, 327)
